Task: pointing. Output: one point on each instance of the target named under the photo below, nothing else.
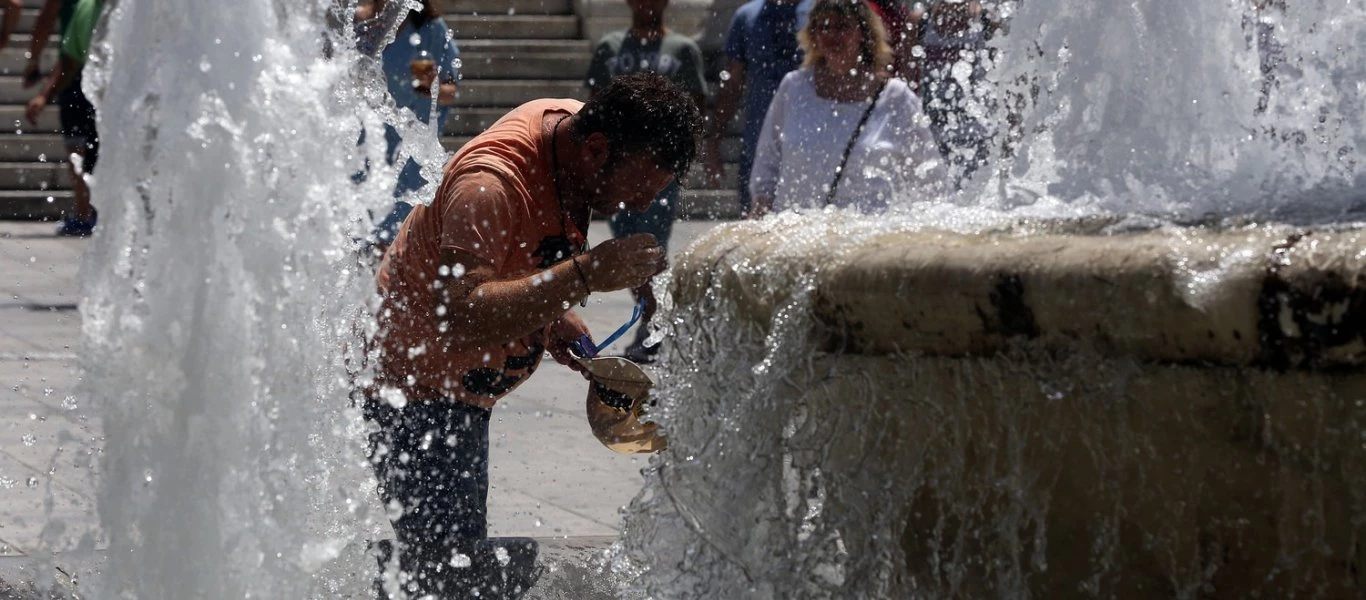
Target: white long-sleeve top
(895, 159)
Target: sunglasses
(584, 346)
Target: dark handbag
(858, 130)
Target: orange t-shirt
(497, 201)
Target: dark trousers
(431, 459)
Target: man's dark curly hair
(644, 112)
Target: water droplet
(29, 439)
(204, 64)
(461, 561)
(32, 481)
(415, 39)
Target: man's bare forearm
(496, 312)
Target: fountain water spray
(222, 288)
(223, 295)
(896, 415)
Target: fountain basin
(1041, 411)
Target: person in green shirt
(77, 113)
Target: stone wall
(704, 20)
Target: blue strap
(587, 349)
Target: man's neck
(572, 199)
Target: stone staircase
(512, 51)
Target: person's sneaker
(74, 227)
(639, 353)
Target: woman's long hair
(875, 54)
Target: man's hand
(622, 263)
(562, 332)
(34, 108)
(31, 74)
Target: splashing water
(1114, 116)
(797, 470)
(1187, 109)
(221, 295)
(223, 286)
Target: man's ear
(597, 150)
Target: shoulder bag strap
(858, 130)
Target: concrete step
(504, 27)
(12, 90)
(35, 176)
(21, 40)
(27, 16)
(708, 205)
(469, 122)
(32, 147)
(516, 49)
(504, 23)
(488, 65)
(486, 92)
(473, 92)
(505, 7)
(15, 56)
(35, 205)
(12, 121)
(697, 175)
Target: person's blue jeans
(410, 180)
(746, 168)
(431, 459)
(657, 220)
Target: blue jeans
(431, 458)
(410, 181)
(657, 220)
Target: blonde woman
(841, 131)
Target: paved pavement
(48, 434)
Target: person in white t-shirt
(844, 100)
